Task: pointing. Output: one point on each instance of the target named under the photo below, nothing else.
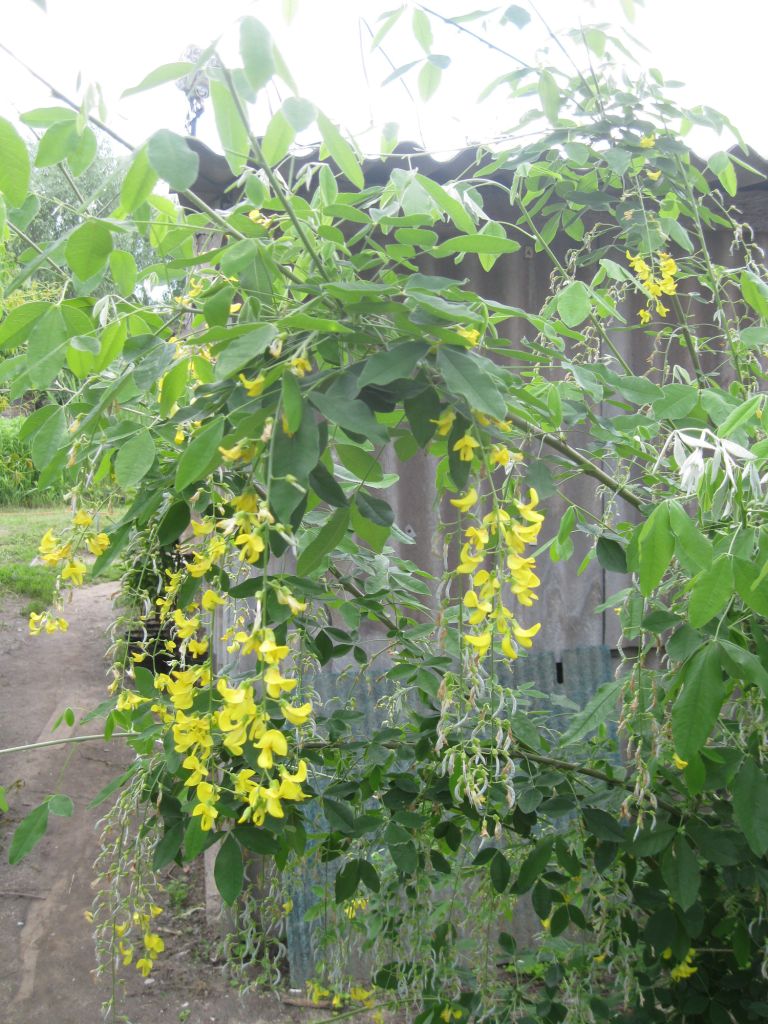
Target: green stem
(690, 344)
(578, 459)
(63, 740)
(592, 318)
(274, 181)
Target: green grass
(20, 533)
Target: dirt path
(46, 944)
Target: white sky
(717, 50)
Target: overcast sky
(717, 50)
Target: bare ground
(47, 957)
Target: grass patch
(20, 533)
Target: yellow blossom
(285, 597)
(653, 175)
(469, 334)
(524, 636)
(253, 387)
(500, 455)
(684, 969)
(178, 437)
(466, 502)
(82, 518)
(144, 966)
(444, 422)
(276, 684)
(235, 308)
(480, 643)
(300, 366)
(648, 142)
(271, 743)
(296, 716)
(210, 600)
(197, 648)
(251, 547)
(678, 762)
(465, 447)
(98, 544)
(645, 316)
(74, 570)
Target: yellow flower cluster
(502, 538)
(654, 284)
(684, 969)
(153, 943)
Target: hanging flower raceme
(492, 558)
(655, 283)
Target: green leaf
(422, 29)
(517, 15)
(173, 386)
(160, 76)
(347, 881)
(743, 665)
(693, 550)
(14, 164)
(256, 52)
(351, 414)
(740, 416)
(698, 702)
(300, 114)
(340, 151)
(359, 462)
(397, 363)
(57, 143)
(533, 865)
(461, 218)
(122, 266)
(611, 555)
(500, 871)
(330, 535)
(602, 707)
(711, 590)
(375, 509)
(297, 455)
(752, 591)
(550, 97)
(88, 248)
(168, 847)
(228, 871)
(3, 801)
(676, 402)
(134, 459)
(232, 131)
(374, 535)
(16, 326)
(47, 348)
(680, 870)
(750, 805)
(720, 164)
(173, 160)
(369, 876)
(139, 181)
(486, 244)
(49, 437)
(429, 80)
(201, 455)
(755, 292)
(293, 406)
(573, 304)
(61, 805)
(240, 351)
(655, 548)
(84, 153)
(28, 833)
(326, 487)
(466, 375)
(173, 524)
(277, 138)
